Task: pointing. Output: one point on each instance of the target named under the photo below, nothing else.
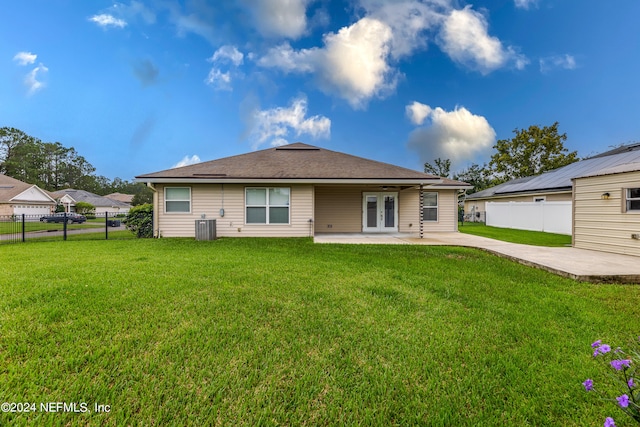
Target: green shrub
(140, 220)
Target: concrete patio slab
(578, 264)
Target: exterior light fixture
(605, 196)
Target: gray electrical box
(205, 229)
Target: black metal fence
(62, 226)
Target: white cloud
(458, 135)
(417, 112)
(219, 80)
(279, 18)
(274, 126)
(105, 20)
(25, 58)
(464, 37)
(525, 4)
(186, 161)
(352, 64)
(31, 79)
(566, 62)
(228, 53)
(408, 20)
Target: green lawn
(535, 238)
(287, 332)
(12, 227)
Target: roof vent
(209, 174)
(297, 147)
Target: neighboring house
(607, 209)
(69, 197)
(300, 190)
(124, 198)
(17, 197)
(552, 186)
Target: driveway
(579, 264)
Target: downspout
(421, 206)
(156, 233)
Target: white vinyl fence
(551, 217)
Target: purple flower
(604, 348)
(597, 343)
(609, 422)
(630, 383)
(588, 384)
(623, 401)
(619, 364)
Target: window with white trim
(267, 205)
(430, 207)
(177, 199)
(633, 199)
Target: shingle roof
(94, 199)
(11, 187)
(125, 198)
(296, 161)
(560, 179)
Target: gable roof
(11, 188)
(86, 196)
(561, 179)
(296, 162)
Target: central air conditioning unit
(205, 229)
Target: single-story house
(300, 190)
(606, 205)
(69, 197)
(552, 186)
(17, 198)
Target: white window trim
(177, 213)
(267, 205)
(436, 207)
(628, 198)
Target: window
(177, 199)
(633, 199)
(430, 207)
(267, 205)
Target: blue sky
(141, 86)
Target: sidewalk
(579, 264)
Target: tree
(441, 168)
(84, 208)
(479, 177)
(531, 152)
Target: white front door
(380, 212)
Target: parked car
(60, 217)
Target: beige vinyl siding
(6, 209)
(447, 212)
(339, 209)
(601, 224)
(208, 199)
(409, 211)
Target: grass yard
(535, 238)
(286, 332)
(13, 227)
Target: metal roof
(560, 179)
